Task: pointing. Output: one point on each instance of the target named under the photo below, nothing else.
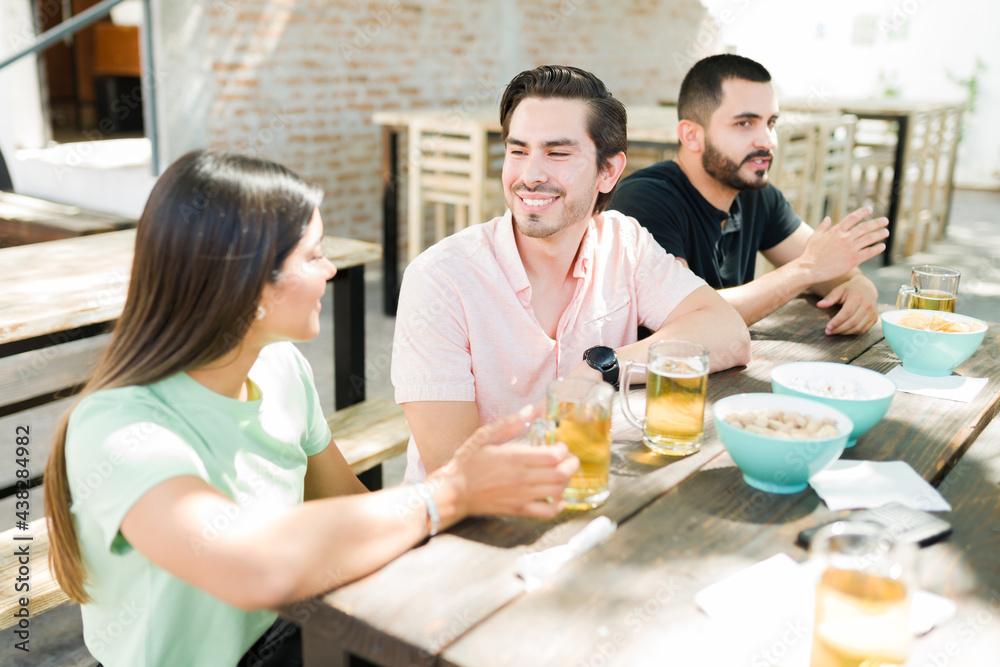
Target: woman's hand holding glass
(514, 479)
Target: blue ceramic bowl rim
(865, 373)
(891, 316)
(841, 418)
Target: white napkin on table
(848, 485)
(535, 567)
(952, 387)
(784, 591)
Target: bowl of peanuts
(930, 342)
(780, 441)
(863, 395)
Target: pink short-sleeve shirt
(466, 331)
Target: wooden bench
(44, 592)
(368, 433)
(25, 220)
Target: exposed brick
(297, 81)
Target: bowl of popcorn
(929, 342)
(780, 441)
(862, 394)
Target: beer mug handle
(542, 432)
(906, 292)
(623, 387)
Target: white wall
(854, 48)
(21, 124)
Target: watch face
(602, 356)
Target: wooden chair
(945, 149)
(449, 167)
(834, 161)
(922, 201)
(793, 168)
(874, 157)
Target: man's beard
(727, 172)
(532, 226)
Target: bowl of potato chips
(929, 342)
(780, 441)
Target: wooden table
(650, 126)
(683, 524)
(902, 112)
(70, 290)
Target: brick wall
(297, 81)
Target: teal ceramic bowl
(933, 353)
(862, 394)
(779, 465)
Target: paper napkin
(535, 567)
(848, 485)
(952, 387)
(783, 591)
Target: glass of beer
(930, 288)
(578, 413)
(676, 380)
(863, 596)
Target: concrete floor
(972, 245)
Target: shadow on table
(632, 466)
(722, 493)
(631, 458)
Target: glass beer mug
(676, 380)
(863, 596)
(930, 288)
(578, 413)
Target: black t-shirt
(665, 202)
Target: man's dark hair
(701, 90)
(606, 120)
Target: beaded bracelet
(424, 491)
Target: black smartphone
(904, 523)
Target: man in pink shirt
(556, 287)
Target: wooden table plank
(630, 600)
(29, 219)
(59, 285)
(966, 566)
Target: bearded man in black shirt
(714, 209)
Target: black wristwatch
(604, 359)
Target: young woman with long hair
(194, 487)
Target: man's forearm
(760, 297)
(718, 329)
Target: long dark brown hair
(215, 230)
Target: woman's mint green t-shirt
(123, 442)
